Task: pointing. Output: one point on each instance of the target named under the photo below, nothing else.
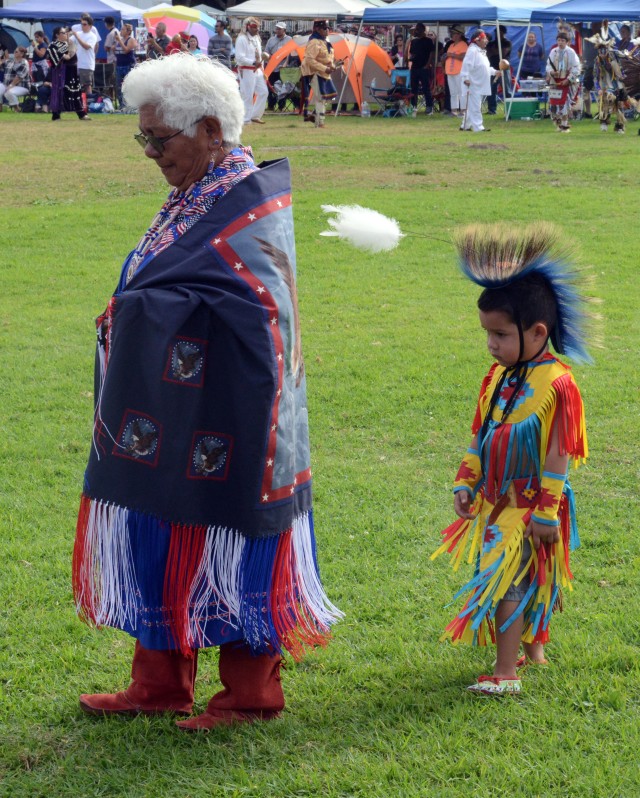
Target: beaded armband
(551, 487)
(469, 473)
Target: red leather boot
(161, 681)
(252, 690)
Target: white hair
(183, 89)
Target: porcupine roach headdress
(497, 256)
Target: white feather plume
(362, 227)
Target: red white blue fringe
(267, 588)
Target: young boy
(515, 505)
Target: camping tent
(294, 9)
(368, 62)
(588, 11)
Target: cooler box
(523, 107)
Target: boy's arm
(544, 524)
(466, 481)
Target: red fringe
(477, 421)
(568, 416)
(542, 637)
(498, 465)
(186, 548)
(452, 533)
(79, 585)
(292, 627)
(459, 626)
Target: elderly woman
(476, 77)
(195, 528)
(65, 86)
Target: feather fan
(363, 227)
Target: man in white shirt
(253, 86)
(87, 42)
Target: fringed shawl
(196, 523)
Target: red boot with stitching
(161, 681)
(252, 690)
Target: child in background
(515, 505)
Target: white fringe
(215, 591)
(108, 568)
(307, 577)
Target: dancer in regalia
(608, 78)
(563, 77)
(195, 527)
(512, 495)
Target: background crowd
(60, 74)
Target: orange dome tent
(369, 62)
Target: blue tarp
(589, 11)
(67, 11)
(441, 11)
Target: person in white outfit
(476, 77)
(253, 86)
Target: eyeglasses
(158, 142)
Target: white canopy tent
(294, 9)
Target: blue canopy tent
(63, 12)
(481, 12)
(584, 11)
(477, 11)
(588, 11)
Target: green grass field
(394, 357)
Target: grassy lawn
(394, 356)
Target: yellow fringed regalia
(508, 484)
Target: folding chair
(288, 88)
(396, 100)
